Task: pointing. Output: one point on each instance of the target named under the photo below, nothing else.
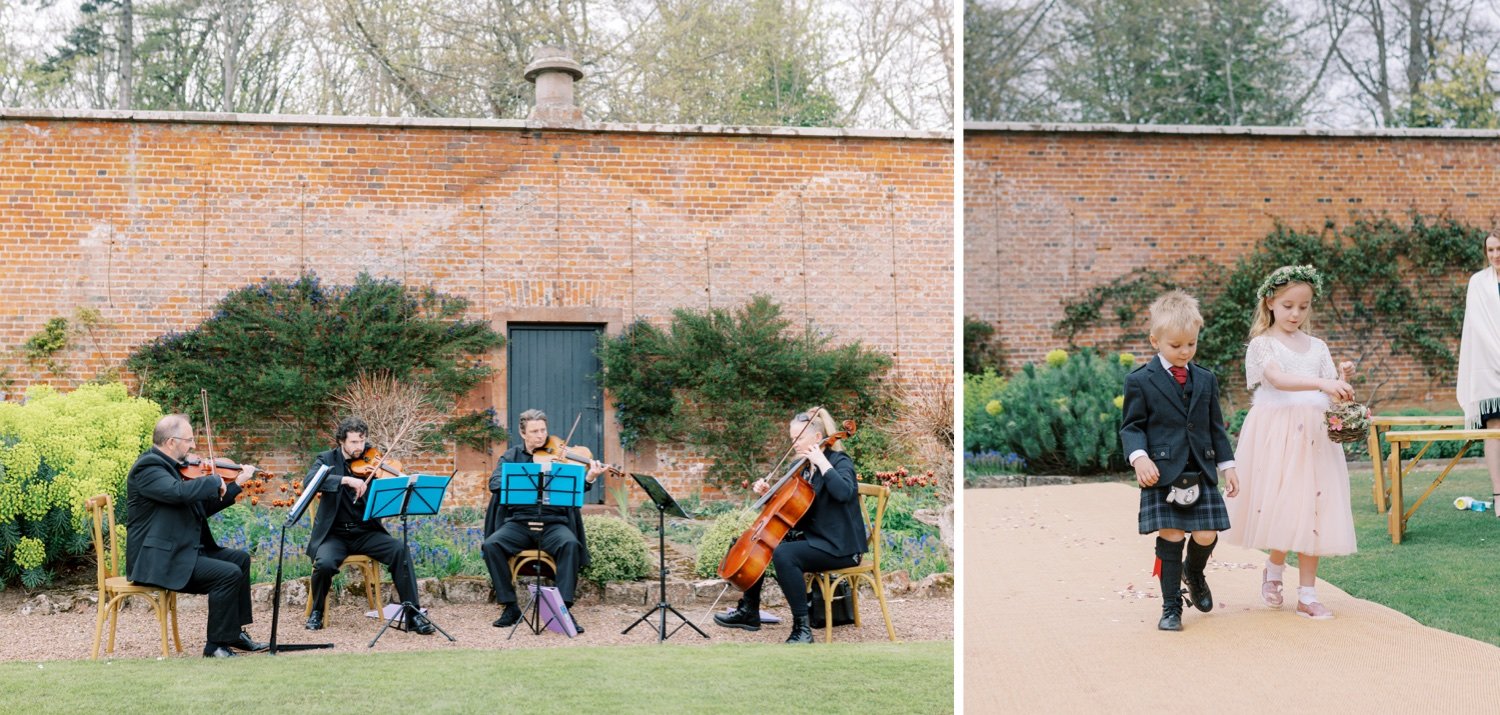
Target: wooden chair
(535, 558)
(369, 571)
(114, 588)
(868, 570)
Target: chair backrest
(881, 494)
(102, 509)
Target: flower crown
(1290, 274)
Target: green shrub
(1063, 416)
(56, 450)
(274, 353)
(983, 351)
(982, 404)
(729, 381)
(617, 551)
(719, 537)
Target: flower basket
(1347, 422)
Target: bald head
(176, 425)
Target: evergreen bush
(617, 551)
(1063, 416)
(730, 380)
(719, 537)
(56, 450)
(274, 353)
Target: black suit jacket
(1176, 436)
(166, 518)
(833, 523)
(329, 494)
(497, 514)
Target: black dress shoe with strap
(801, 631)
(421, 625)
(744, 616)
(245, 642)
(214, 650)
(508, 617)
(1198, 595)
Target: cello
(781, 507)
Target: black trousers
(513, 537)
(792, 560)
(224, 575)
(377, 545)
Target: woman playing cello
(832, 529)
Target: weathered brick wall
(151, 218)
(1051, 211)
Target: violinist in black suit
(832, 530)
(555, 529)
(340, 529)
(170, 544)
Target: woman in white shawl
(1479, 357)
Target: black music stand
(664, 504)
(310, 487)
(421, 495)
(524, 484)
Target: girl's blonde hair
(822, 422)
(1265, 316)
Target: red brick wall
(151, 220)
(1050, 212)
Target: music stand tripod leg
(662, 605)
(407, 610)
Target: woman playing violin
(832, 530)
(555, 529)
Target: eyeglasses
(803, 417)
(188, 438)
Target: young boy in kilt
(1173, 435)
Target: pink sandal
(1314, 610)
(1270, 591)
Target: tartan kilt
(1208, 514)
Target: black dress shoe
(245, 642)
(1171, 617)
(508, 617)
(801, 631)
(577, 627)
(1198, 595)
(213, 650)
(421, 625)
(314, 621)
(743, 617)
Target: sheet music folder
(384, 497)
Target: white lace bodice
(1266, 350)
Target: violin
(371, 464)
(556, 449)
(194, 466)
(784, 505)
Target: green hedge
(617, 551)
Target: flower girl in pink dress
(1294, 483)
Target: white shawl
(1479, 353)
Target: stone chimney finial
(553, 71)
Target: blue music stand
(405, 496)
(523, 484)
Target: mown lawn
(738, 678)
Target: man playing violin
(832, 530)
(341, 529)
(555, 529)
(170, 544)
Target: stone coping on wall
(1199, 130)
(116, 115)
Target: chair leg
(827, 587)
(99, 626)
(172, 609)
(854, 600)
(158, 606)
(114, 621)
(879, 583)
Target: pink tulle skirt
(1294, 482)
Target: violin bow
(569, 439)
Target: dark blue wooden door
(553, 369)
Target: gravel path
(69, 634)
